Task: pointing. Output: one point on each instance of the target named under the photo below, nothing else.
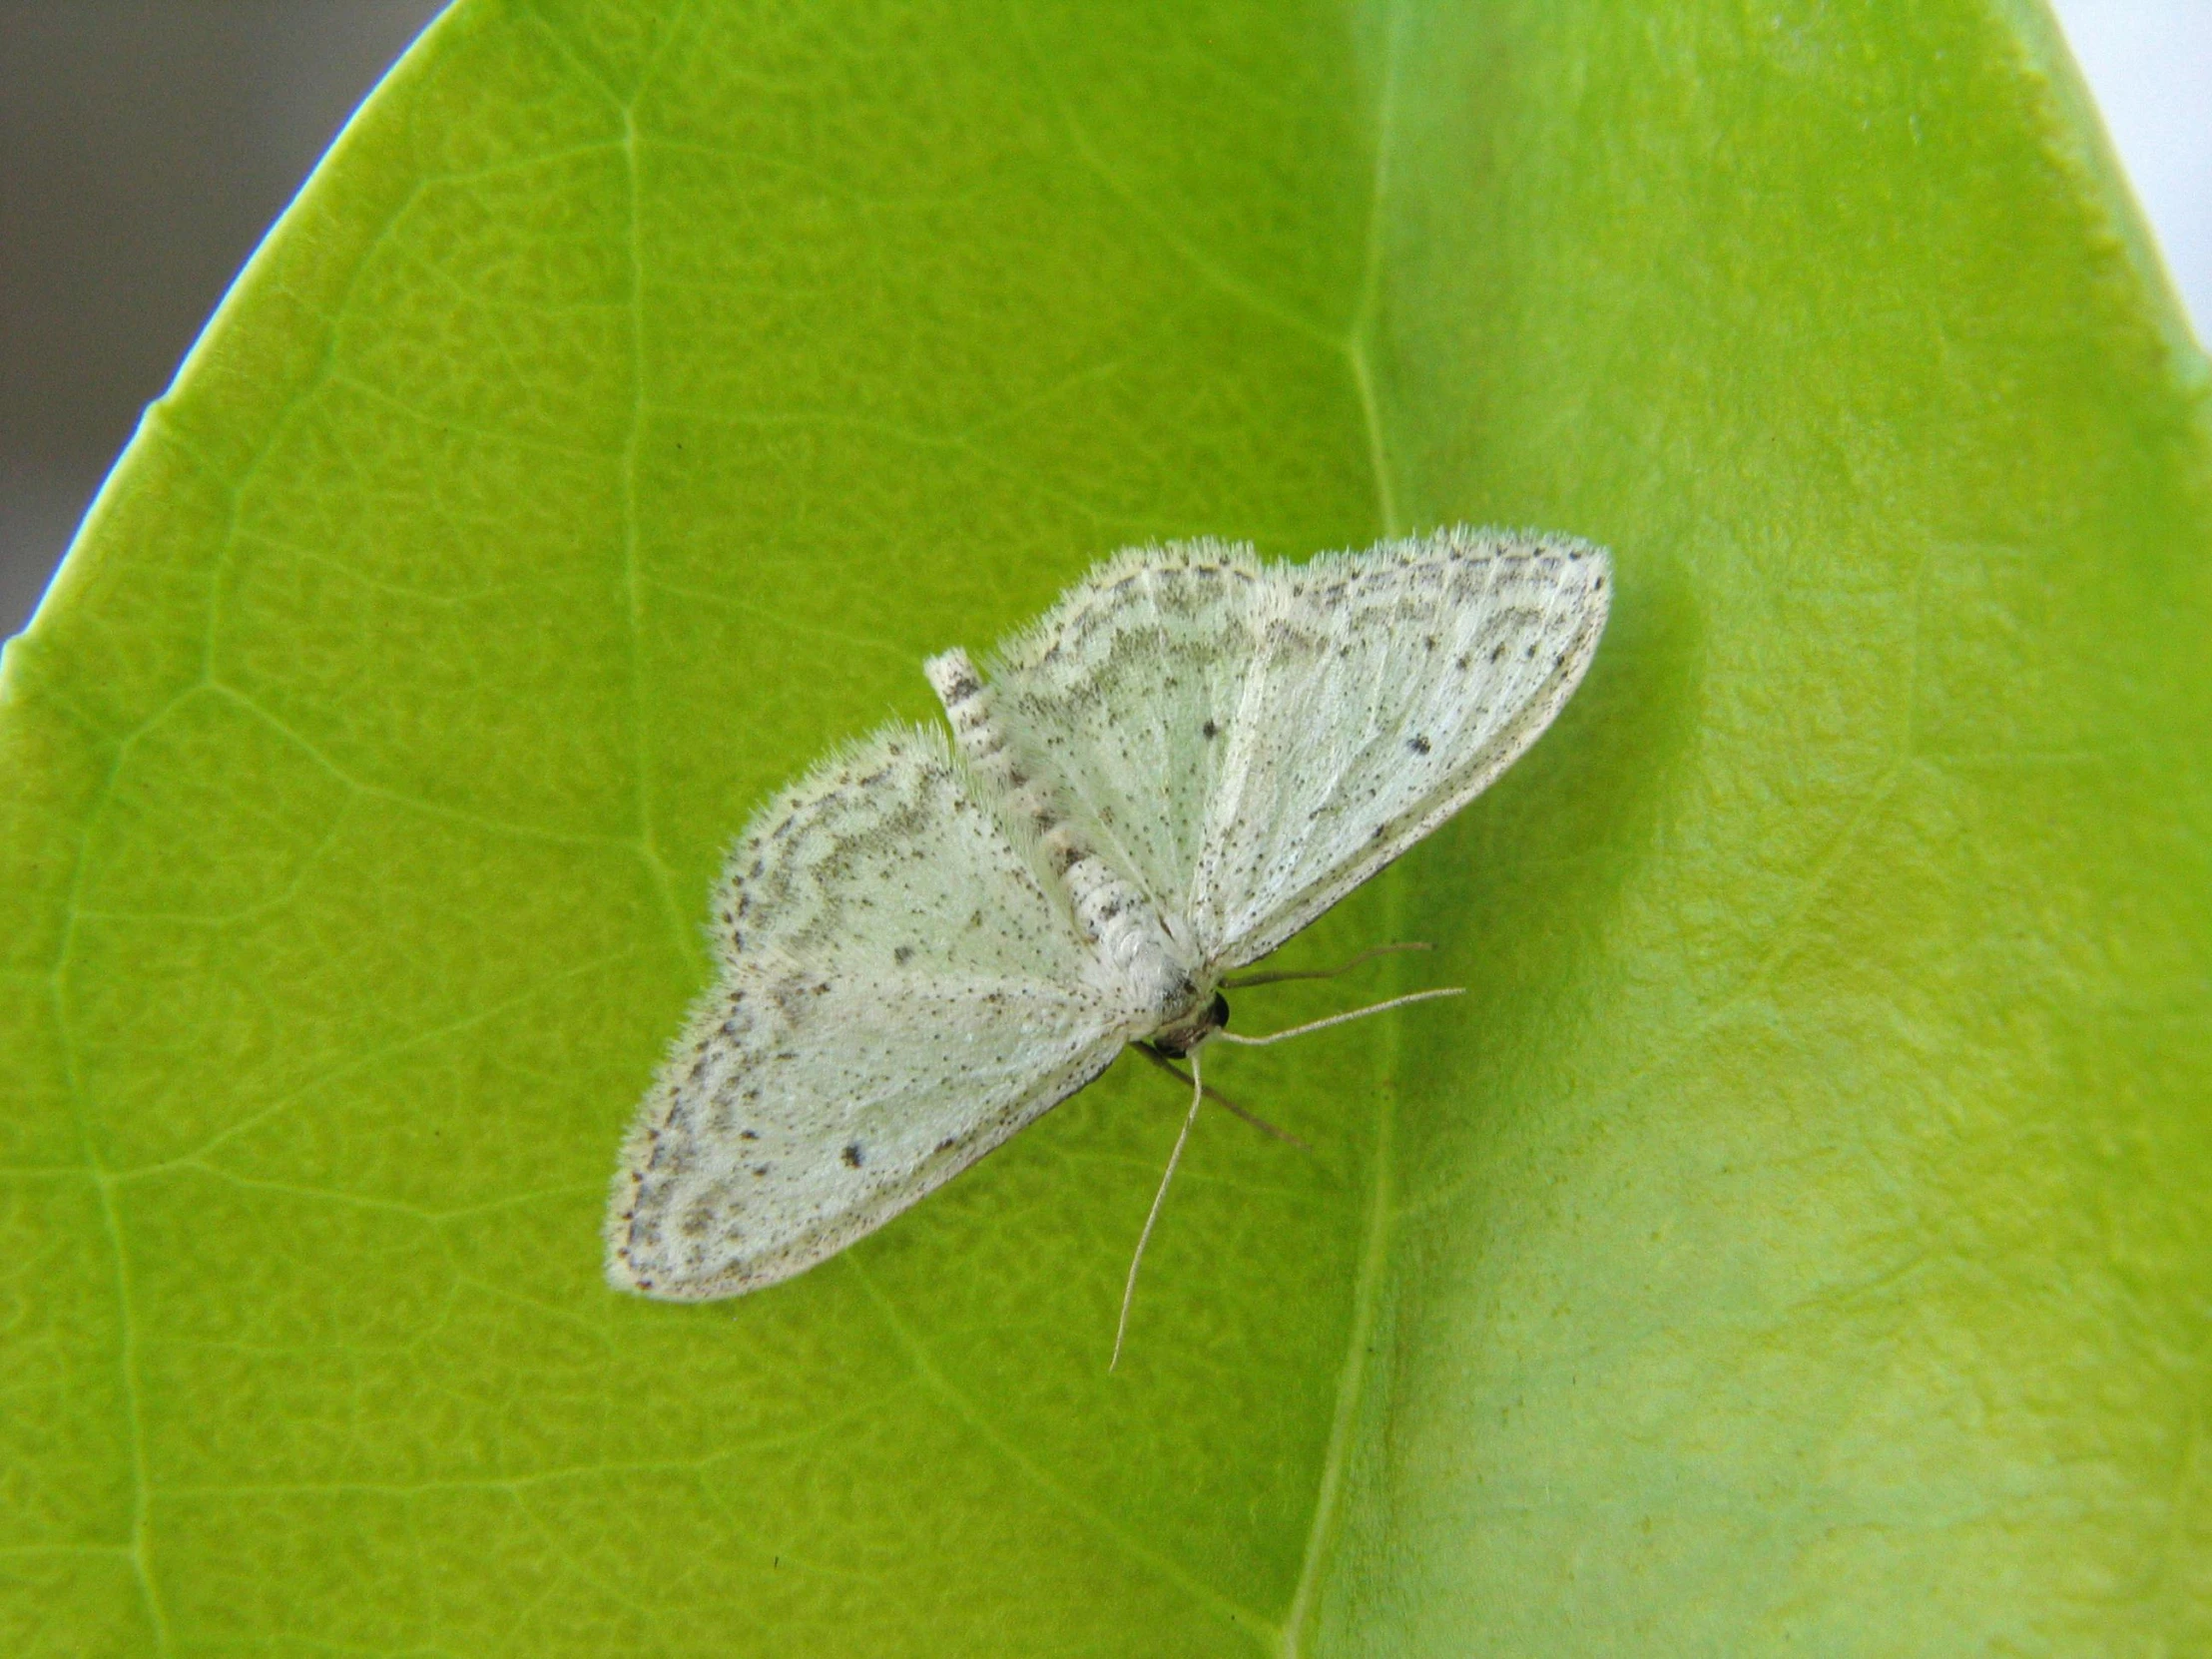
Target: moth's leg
(1129, 1289)
(1243, 981)
(1217, 1098)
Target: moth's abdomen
(1116, 917)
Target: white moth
(924, 947)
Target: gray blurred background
(144, 146)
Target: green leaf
(1798, 1240)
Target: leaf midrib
(1374, 1247)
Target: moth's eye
(1219, 1012)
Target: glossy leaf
(1797, 1240)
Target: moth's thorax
(1203, 1012)
(1120, 922)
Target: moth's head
(1207, 1013)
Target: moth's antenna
(1223, 1101)
(1242, 982)
(1332, 1019)
(1129, 1290)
